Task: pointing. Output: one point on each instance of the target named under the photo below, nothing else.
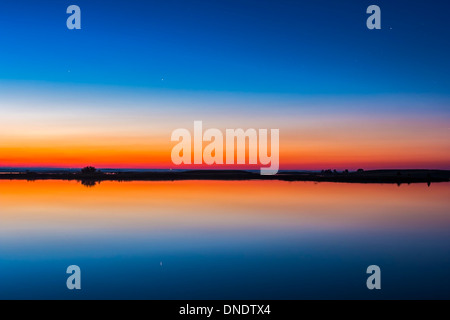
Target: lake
(224, 240)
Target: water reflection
(219, 239)
(90, 183)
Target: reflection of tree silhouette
(89, 183)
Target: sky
(111, 94)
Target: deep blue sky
(300, 47)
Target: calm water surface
(224, 240)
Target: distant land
(91, 176)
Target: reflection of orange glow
(219, 204)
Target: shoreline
(373, 176)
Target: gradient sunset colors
(110, 95)
(101, 132)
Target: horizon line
(209, 169)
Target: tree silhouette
(89, 169)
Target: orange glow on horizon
(293, 155)
(313, 143)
